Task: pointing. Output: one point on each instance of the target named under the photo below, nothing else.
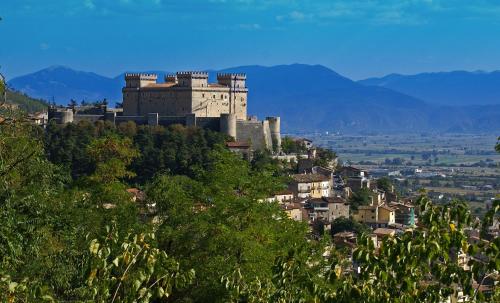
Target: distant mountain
(307, 97)
(62, 84)
(317, 98)
(445, 88)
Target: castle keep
(185, 93)
(186, 98)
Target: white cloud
(44, 46)
(89, 4)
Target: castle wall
(93, 118)
(130, 102)
(255, 132)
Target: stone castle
(186, 98)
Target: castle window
(203, 95)
(222, 96)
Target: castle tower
(131, 91)
(192, 79)
(171, 79)
(275, 128)
(237, 93)
(139, 80)
(228, 124)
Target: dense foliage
(172, 150)
(71, 232)
(290, 145)
(363, 196)
(25, 102)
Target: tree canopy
(72, 232)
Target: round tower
(66, 116)
(275, 128)
(228, 124)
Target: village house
(357, 183)
(327, 208)
(310, 186)
(375, 215)
(284, 196)
(350, 171)
(405, 213)
(293, 210)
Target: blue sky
(357, 38)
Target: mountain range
(445, 88)
(316, 98)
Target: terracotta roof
(284, 192)
(238, 144)
(384, 231)
(305, 178)
(159, 85)
(386, 207)
(329, 200)
(137, 193)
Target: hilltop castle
(186, 98)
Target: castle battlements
(140, 76)
(236, 76)
(192, 74)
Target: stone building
(185, 93)
(187, 98)
(310, 186)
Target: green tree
(216, 224)
(132, 269)
(3, 90)
(111, 156)
(324, 157)
(421, 265)
(345, 224)
(385, 184)
(291, 146)
(363, 196)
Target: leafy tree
(291, 146)
(111, 156)
(345, 224)
(324, 157)
(385, 184)
(3, 90)
(216, 224)
(360, 197)
(421, 265)
(132, 269)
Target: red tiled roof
(238, 144)
(304, 178)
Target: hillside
(25, 102)
(307, 97)
(446, 88)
